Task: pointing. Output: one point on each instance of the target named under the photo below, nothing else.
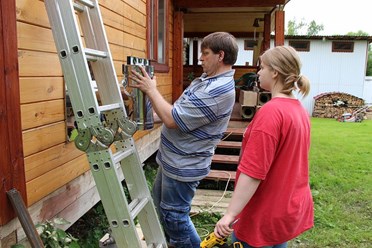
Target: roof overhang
(234, 16)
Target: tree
(314, 29)
(294, 28)
(369, 63)
(359, 33)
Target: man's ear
(221, 55)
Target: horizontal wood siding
(50, 162)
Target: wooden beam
(203, 34)
(227, 3)
(11, 154)
(267, 31)
(279, 28)
(177, 74)
(195, 54)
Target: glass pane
(152, 28)
(161, 32)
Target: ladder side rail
(63, 49)
(138, 189)
(113, 199)
(104, 70)
(91, 115)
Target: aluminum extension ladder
(104, 129)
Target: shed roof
(327, 37)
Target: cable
(226, 136)
(224, 192)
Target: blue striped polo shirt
(202, 114)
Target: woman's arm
(244, 190)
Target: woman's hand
(223, 227)
(144, 83)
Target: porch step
(230, 144)
(235, 131)
(224, 164)
(225, 159)
(221, 175)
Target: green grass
(341, 182)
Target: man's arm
(148, 86)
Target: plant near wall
(54, 237)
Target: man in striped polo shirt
(192, 128)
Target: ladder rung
(137, 205)
(155, 246)
(122, 154)
(108, 107)
(78, 7)
(94, 54)
(87, 3)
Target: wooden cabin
(51, 174)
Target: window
(249, 44)
(301, 46)
(157, 34)
(342, 46)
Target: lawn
(341, 183)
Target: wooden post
(195, 54)
(267, 31)
(177, 73)
(279, 27)
(11, 153)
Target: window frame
(250, 48)
(337, 50)
(293, 43)
(152, 35)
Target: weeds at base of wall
(54, 237)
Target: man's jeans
(245, 245)
(172, 199)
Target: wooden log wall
(50, 161)
(334, 104)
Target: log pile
(334, 104)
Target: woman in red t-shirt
(272, 201)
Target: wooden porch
(223, 168)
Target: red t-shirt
(275, 150)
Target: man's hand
(160, 105)
(144, 83)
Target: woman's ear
(275, 74)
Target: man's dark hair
(222, 41)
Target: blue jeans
(172, 199)
(245, 245)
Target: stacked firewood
(334, 104)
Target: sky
(337, 16)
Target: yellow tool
(211, 241)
